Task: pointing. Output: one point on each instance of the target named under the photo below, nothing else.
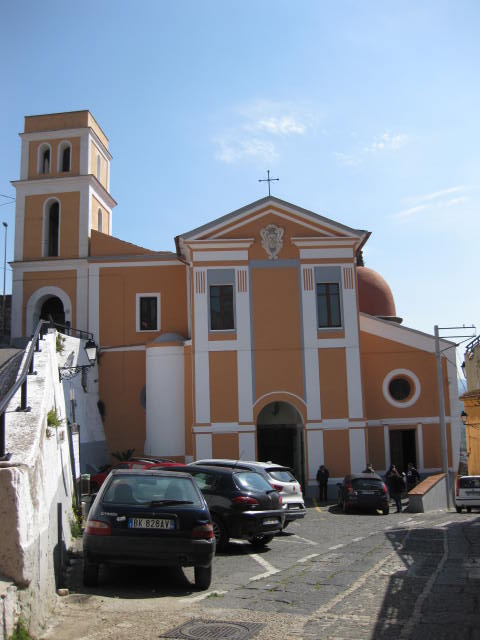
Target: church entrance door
(280, 437)
(52, 309)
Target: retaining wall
(36, 491)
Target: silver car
(280, 477)
(467, 494)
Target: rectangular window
(328, 305)
(148, 312)
(221, 307)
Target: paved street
(332, 575)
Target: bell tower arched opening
(280, 437)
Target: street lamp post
(4, 276)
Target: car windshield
(470, 483)
(251, 481)
(282, 475)
(367, 484)
(147, 489)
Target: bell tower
(63, 193)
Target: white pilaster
(243, 347)
(310, 344)
(354, 373)
(358, 454)
(81, 321)
(94, 301)
(202, 365)
(203, 446)
(386, 440)
(17, 303)
(246, 446)
(19, 224)
(315, 451)
(420, 461)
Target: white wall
(33, 482)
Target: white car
(468, 493)
(281, 479)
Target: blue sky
(368, 112)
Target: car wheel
(220, 533)
(469, 509)
(203, 577)
(459, 509)
(90, 573)
(386, 511)
(260, 541)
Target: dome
(374, 295)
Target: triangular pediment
(244, 223)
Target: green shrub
(53, 419)
(59, 343)
(20, 632)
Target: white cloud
(386, 142)
(257, 131)
(436, 201)
(233, 149)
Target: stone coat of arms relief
(272, 240)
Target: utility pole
(4, 276)
(441, 401)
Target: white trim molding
(138, 298)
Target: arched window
(53, 227)
(99, 167)
(64, 157)
(99, 220)
(44, 159)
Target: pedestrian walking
(413, 477)
(322, 479)
(396, 485)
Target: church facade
(261, 337)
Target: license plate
(294, 506)
(473, 492)
(368, 493)
(270, 521)
(150, 523)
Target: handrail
(69, 331)
(20, 382)
(471, 345)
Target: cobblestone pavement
(331, 576)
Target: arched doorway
(52, 309)
(280, 437)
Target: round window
(400, 389)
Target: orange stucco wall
(34, 280)
(376, 447)
(121, 379)
(432, 452)
(96, 205)
(54, 171)
(336, 448)
(225, 445)
(33, 229)
(277, 331)
(333, 383)
(102, 245)
(118, 289)
(223, 386)
(379, 357)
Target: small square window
(221, 307)
(148, 312)
(328, 305)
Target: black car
(363, 491)
(150, 518)
(241, 502)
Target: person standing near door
(322, 479)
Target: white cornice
(227, 243)
(46, 186)
(398, 333)
(328, 254)
(324, 242)
(47, 265)
(101, 263)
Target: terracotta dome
(374, 295)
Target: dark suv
(241, 502)
(363, 491)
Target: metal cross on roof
(268, 179)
